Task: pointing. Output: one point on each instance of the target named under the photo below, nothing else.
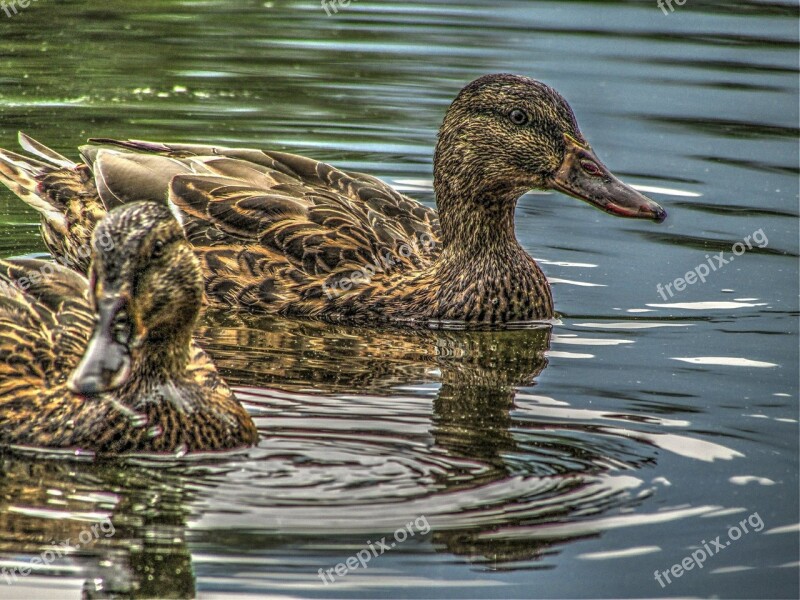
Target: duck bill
(106, 364)
(583, 176)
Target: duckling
(285, 234)
(109, 365)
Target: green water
(571, 462)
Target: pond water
(644, 428)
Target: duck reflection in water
(473, 427)
(478, 371)
(472, 434)
(48, 504)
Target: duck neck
(482, 266)
(476, 211)
(160, 361)
(476, 222)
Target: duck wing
(273, 229)
(145, 176)
(45, 324)
(45, 315)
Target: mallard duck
(281, 233)
(109, 365)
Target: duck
(108, 365)
(285, 234)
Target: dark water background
(565, 463)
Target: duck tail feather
(22, 175)
(42, 151)
(139, 145)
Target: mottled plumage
(109, 366)
(281, 233)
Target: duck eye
(158, 249)
(591, 168)
(121, 328)
(518, 117)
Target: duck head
(146, 287)
(505, 135)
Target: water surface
(572, 461)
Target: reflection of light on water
(631, 325)
(562, 263)
(724, 570)
(776, 419)
(795, 528)
(578, 283)
(43, 103)
(581, 341)
(412, 185)
(728, 361)
(554, 411)
(723, 512)
(72, 515)
(745, 479)
(557, 354)
(621, 553)
(540, 400)
(708, 305)
(666, 191)
(682, 445)
(557, 530)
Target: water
(571, 462)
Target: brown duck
(108, 365)
(281, 233)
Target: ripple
(595, 526)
